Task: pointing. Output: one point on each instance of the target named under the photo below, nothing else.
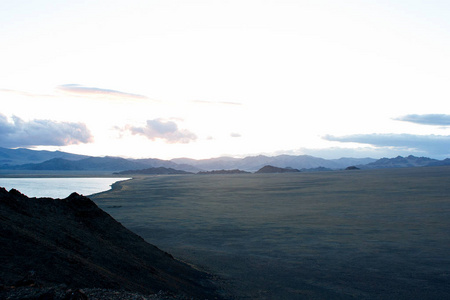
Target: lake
(377, 234)
(58, 187)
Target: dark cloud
(431, 144)
(19, 133)
(84, 90)
(428, 119)
(165, 130)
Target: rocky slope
(73, 243)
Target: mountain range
(25, 159)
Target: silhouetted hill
(272, 169)
(153, 171)
(352, 168)
(71, 241)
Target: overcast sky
(202, 79)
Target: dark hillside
(73, 242)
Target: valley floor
(378, 234)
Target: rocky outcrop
(72, 242)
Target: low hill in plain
(272, 169)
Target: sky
(207, 78)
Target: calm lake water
(58, 187)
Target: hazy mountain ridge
(61, 161)
(86, 164)
(156, 163)
(153, 171)
(254, 163)
(23, 156)
(113, 164)
(404, 162)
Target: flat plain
(361, 234)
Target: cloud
(430, 144)
(84, 90)
(216, 102)
(41, 133)
(165, 130)
(27, 94)
(235, 135)
(428, 119)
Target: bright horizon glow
(208, 78)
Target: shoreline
(60, 187)
(115, 186)
(57, 174)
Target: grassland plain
(378, 234)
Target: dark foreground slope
(73, 242)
